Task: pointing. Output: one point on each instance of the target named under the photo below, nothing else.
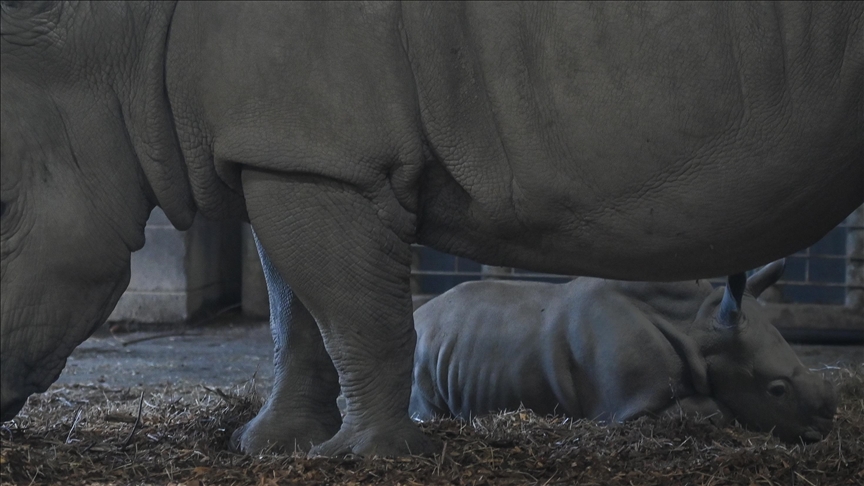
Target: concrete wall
(179, 275)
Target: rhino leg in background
(346, 255)
(305, 383)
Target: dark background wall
(180, 275)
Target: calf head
(752, 370)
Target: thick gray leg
(347, 257)
(301, 409)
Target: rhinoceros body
(619, 140)
(612, 351)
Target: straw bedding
(91, 434)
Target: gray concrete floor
(218, 356)
(231, 354)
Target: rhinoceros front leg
(301, 409)
(346, 255)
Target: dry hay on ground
(83, 435)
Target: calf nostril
(811, 436)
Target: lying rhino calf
(612, 350)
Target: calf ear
(730, 306)
(765, 277)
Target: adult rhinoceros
(629, 141)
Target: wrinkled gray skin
(631, 141)
(613, 350)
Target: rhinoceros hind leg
(268, 431)
(382, 440)
(301, 410)
(346, 254)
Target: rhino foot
(402, 439)
(283, 432)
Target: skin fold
(622, 140)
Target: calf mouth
(819, 430)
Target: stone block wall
(179, 275)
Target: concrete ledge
(817, 323)
(150, 307)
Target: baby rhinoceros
(612, 351)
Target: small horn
(730, 306)
(765, 277)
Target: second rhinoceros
(613, 350)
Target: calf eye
(777, 389)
